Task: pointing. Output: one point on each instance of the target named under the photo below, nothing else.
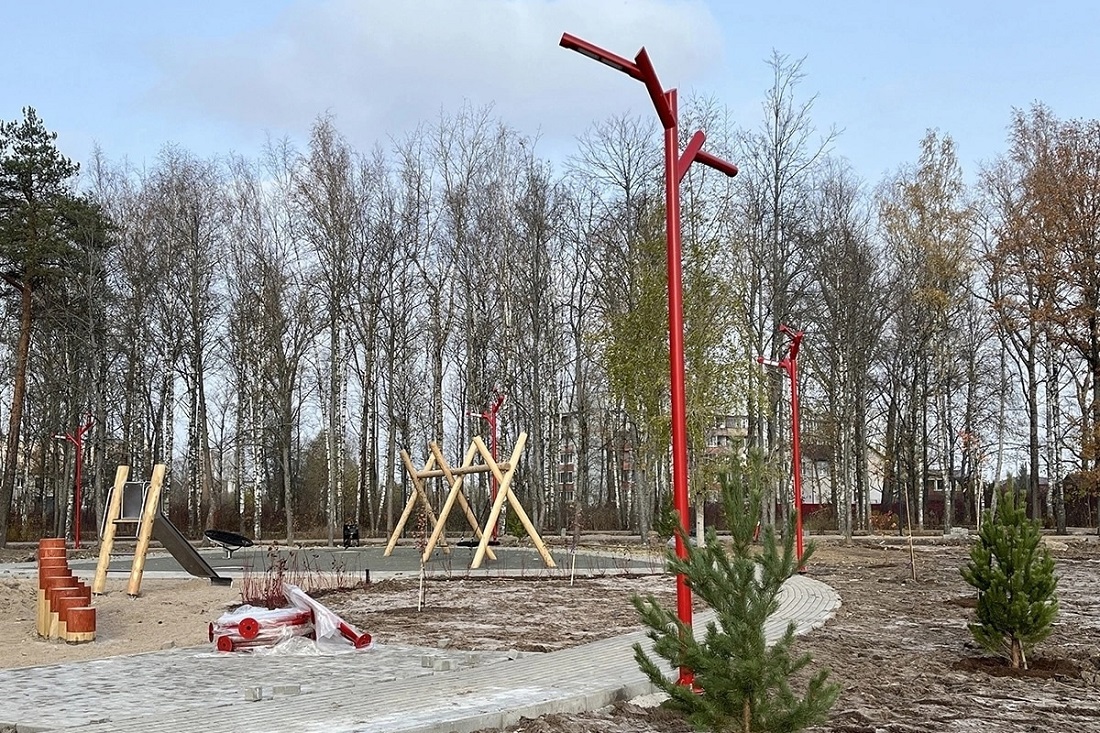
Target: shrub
(884, 521)
(1014, 575)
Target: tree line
(277, 329)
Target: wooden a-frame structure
(454, 478)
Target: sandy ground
(898, 647)
(169, 613)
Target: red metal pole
(493, 450)
(676, 361)
(791, 365)
(796, 459)
(78, 442)
(491, 417)
(675, 168)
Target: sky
(217, 76)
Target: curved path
(390, 689)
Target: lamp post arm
(691, 152)
(604, 56)
(661, 102)
(718, 164)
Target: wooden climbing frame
(437, 467)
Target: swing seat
(228, 541)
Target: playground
(899, 647)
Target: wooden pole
(450, 475)
(439, 472)
(418, 493)
(452, 495)
(106, 545)
(504, 491)
(513, 501)
(145, 530)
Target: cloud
(383, 67)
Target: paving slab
(386, 689)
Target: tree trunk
(1033, 438)
(19, 391)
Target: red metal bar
(676, 364)
(713, 161)
(490, 416)
(665, 104)
(690, 153)
(593, 51)
(789, 364)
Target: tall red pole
(490, 416)
(789, 364)
(77, 439)
(493, 449)
(796, 447)
(676, 166)
(676, 361)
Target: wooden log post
(145, 531)
(409, 504)
(452, 496)
(419, 493)
(454, 476)
(504, 492)
(106, 545)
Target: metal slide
(185, 554)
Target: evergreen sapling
(1014, 575)
(740, 682)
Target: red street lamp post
(676, 167)
(490, 416)
(77, 439)
(789, 364)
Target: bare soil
(905, 660)
(898, 647)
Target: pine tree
(740, 683)
(1014, 575)
(43, 225)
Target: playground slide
(173, 540)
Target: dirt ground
(898, 647)
(905, 661)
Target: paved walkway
(387, 689)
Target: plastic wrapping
(249, 626)
(254, 628)
(328, 623)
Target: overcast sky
(219, 76)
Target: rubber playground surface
(354, 562)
